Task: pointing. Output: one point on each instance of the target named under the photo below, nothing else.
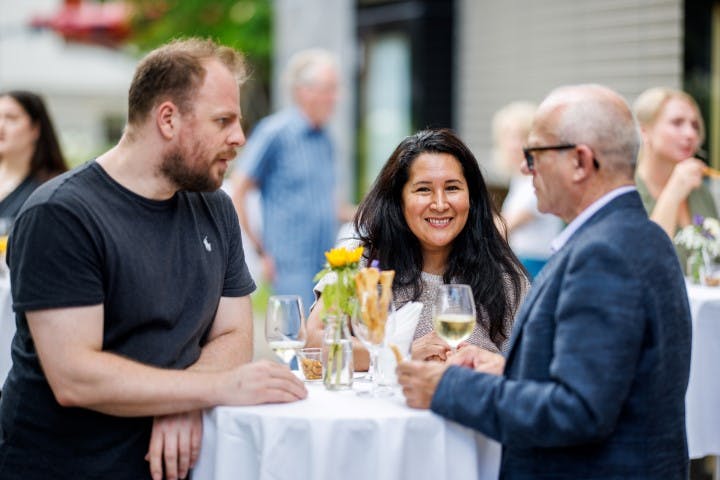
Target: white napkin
(401, 325)
(399, 330)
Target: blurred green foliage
(260, 297)
(242, 24)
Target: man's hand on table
(261, 382)
(175, 439)
(174, 443)
(419, 381)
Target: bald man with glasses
(593, 383)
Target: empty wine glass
(368, 323)
(285, 329)
(453, 313)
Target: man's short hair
(174, 72)
(602, 119)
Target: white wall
(521, 49)
(81, 84)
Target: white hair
(303, 67)
(600, 118)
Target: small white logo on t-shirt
(207, 244)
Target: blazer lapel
(626, 200)
(538, 285)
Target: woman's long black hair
(47, 159)
(480, 255)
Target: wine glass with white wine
(285, 329)
(454, 313)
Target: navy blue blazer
(598, 361)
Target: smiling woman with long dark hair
(429, 217)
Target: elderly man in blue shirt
(290, 159)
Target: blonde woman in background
(529, 232)
(669, 177)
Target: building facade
(497, 51)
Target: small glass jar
(710, 272)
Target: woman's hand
(686, 177)
(478, 359)
(430, 348)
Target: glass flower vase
(337, 354)
(694, 265)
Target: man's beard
(175, 168)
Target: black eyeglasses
(530, 160)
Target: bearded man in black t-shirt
(131, 289)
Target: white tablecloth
(7, 325)
(338, 435)
(703, 395)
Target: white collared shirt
(559, 241)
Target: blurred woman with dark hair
(429, 217)
(29, 151)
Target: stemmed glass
(368, 323)
(453, 313)
(285, 329)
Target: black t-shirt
(158, 267)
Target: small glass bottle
(694, 265)
(337, 354)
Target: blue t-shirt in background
(292, 164)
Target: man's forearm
(224, 352)
(112, 384)
(230, 341)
